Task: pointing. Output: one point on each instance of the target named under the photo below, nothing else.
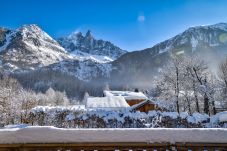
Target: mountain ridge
(137, 68)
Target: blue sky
(130, 24)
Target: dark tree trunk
(177, 104)
(206, 104)
(214, 108)
(189, 107)
(177, 90)
(196, 98)
(197, 105)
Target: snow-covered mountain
(88, 47)
(209, 41)
(29, 47)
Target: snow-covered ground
(47, 134)
(194, 118)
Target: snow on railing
(38, 137)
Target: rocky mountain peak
(74, 36)
(33, 31)
(31, 46)
(79, 44)
(88, 34)
(31, 27)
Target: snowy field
(47, 134)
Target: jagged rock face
(3, 34)
(30, 47)
(5, 37)
(88, 44)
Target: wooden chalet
(137, 100)
(145, 106)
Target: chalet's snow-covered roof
(106, 102)
(128, 95)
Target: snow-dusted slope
(86, 56)
(88, 47)
(85, 70)
(194, 38)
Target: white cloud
(141, 18)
